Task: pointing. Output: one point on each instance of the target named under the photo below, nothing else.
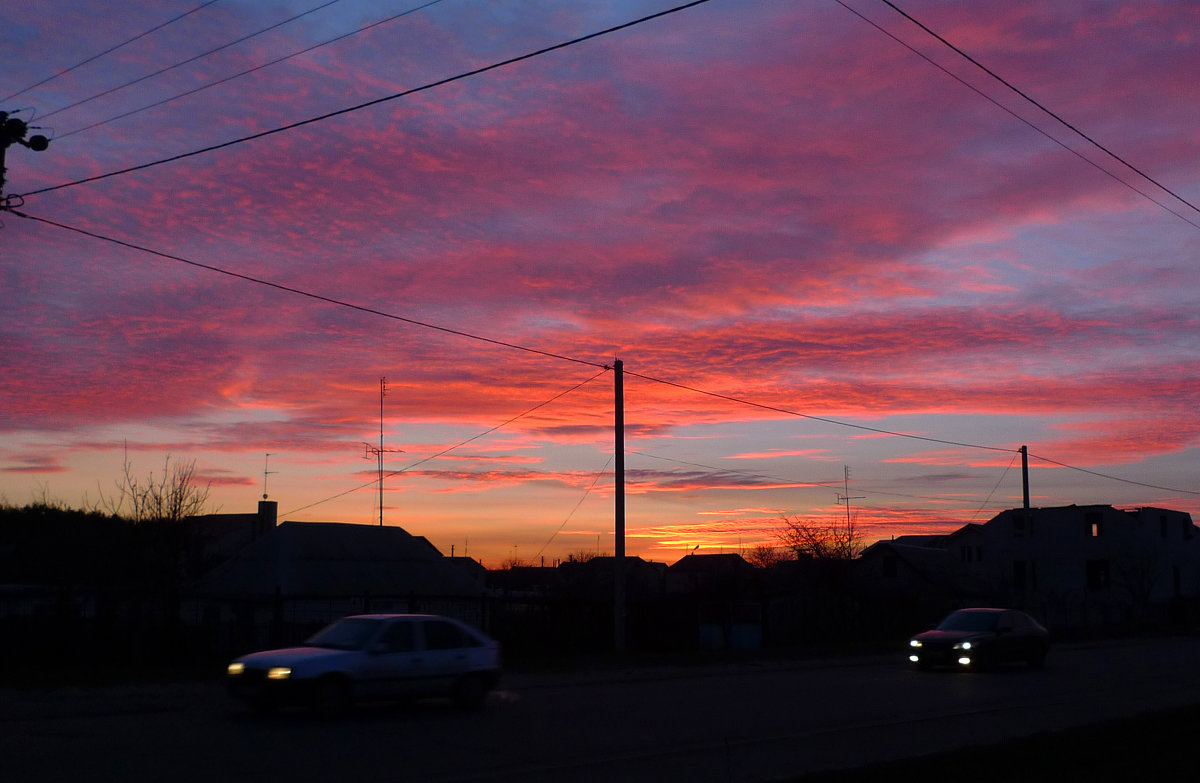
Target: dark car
(981, 639)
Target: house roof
(710, 563)
(329, 558)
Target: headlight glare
(278, 673)
(236, 668)
(914, 643)
(963, 646)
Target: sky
(846, 270)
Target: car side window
(441, 635)
(399, 637)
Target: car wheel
(332, 696)
(470, 692)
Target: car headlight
(964, 646)
(278, 673)
(235, 668)
(914, 643)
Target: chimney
(268, 511)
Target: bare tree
(171, 497)
(838, 539)
(765, 556)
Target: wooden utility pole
(13, 131)
(1025, 475)
(619, 642)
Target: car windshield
(352, 633)
(970, 621)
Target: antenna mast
(846, 498)
(266, 461)
(378, 451)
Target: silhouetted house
(330, 559)
(219, 537)
(472, 568)
(594, 578)
(1069, 565)
(1088, 563)
(524, 581)
(911, 581)
(725, 574)
(301, 575)
(723, 593)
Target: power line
(110, 50)
(586, 492)
(1021, 119)
(1114, 478)
(788, 412)
(1031, 100)
(246, 72)
(189, 60)
(988, 499)
(302, 292)
(377, 101)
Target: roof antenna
(266, 473)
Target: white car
(372, 657)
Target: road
(746, 722)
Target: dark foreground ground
(1158, 746)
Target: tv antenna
(846, 498)
(266, 461)
(378, 451)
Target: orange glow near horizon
(811, 251)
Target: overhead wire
(1113, 478)
(300, 291)
(246, 72)
(798, 414)
(1019, 118)
(988, 499)
(375, 102)
(189, 60)
(1041, 106)
(586, 492)
(107, 51)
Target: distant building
(1072, 565)
(298, 576)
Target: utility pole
(1025, 477)
(12, 131)
(619, 643)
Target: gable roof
(336, 559)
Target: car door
(1008, 638)
(447, 653)
(394, 665)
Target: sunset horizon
(851, 262)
